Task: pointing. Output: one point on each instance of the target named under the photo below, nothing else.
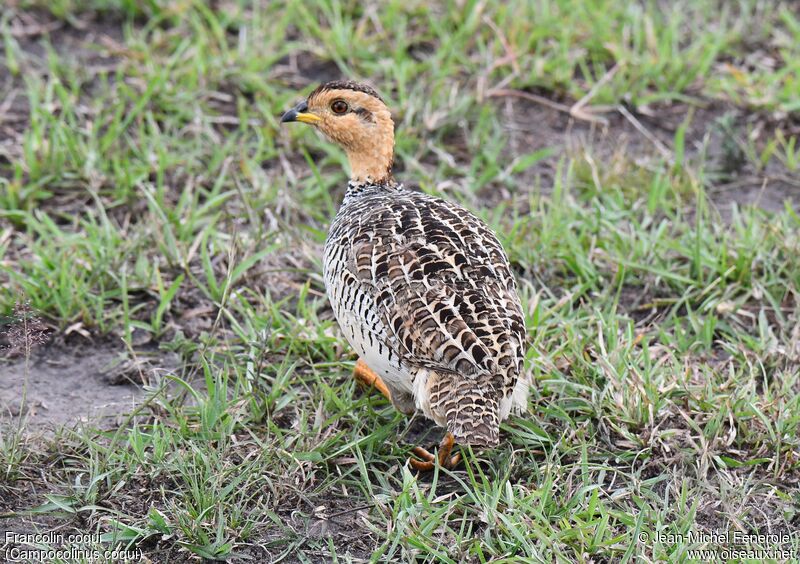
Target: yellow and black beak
(300, 113)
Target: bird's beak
(300, 113)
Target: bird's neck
(372, 162)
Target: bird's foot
(426, 461)
(366, 377)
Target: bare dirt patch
(67, 386)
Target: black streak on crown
(345, 85)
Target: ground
(172, 378)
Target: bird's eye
(339, 107)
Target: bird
(421, 288)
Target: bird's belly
(362, 335)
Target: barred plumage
(421, 288)
(423, 291)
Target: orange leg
(429, 460)
(366, 377)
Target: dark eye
(339, 107)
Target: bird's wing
(443, 285)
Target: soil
(69, 386)
(646, 135)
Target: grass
(148, 195)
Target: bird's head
(353, 116)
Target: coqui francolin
(420, 287)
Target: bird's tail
(470, 408)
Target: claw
(426, 461)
